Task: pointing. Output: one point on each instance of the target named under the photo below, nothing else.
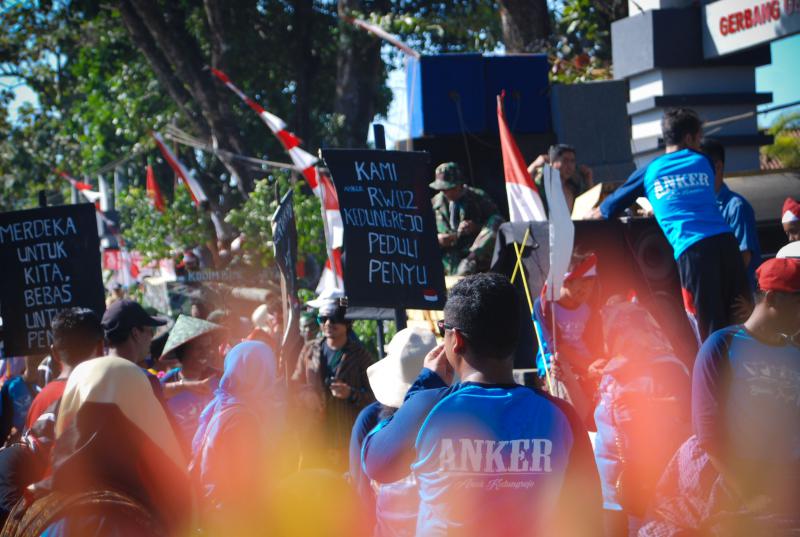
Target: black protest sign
(51, 261)
(392, 258)
(284, 240)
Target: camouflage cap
(448, 175)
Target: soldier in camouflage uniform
(466, 222)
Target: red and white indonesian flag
(195, 190)
(153, 191)
(524, 202)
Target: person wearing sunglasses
(331, 382)
(490, 457)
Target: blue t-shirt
(741, 218)
(746, 399)
(186, 406)
(502, 459)
(680, 187)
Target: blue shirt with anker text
(488, 459)
(680, 187)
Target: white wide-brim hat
(790, 250)
(391, 377)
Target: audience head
(449, 180)
(580, 280)
(682, 127)
(129, 329)
(481, 320)
(77, 336)
(715, 151)
(195, 343)
(333, 323)
(779, 294)
(391, 377)
(308, 326)
(564, 159)
(200, 309)
(790, 219)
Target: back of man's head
(677, 123)
(557, 151)
(713, 150)
(76, 335)
(485, 309)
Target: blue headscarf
(250, 380)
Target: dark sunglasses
(443, 327)
(334, 319)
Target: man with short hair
(740, 472)
(77, 337)
(490, 457)
(679, 185)
(735, 209)
(575, 180)
(466, 221)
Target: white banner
(733, 25)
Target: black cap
(125, 314)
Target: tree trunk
(183, 67)
(305, 65)
(359, 72)
(526, 25)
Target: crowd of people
(136, 424)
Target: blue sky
(782, 77)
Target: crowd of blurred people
(138, 424)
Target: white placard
(733, 25)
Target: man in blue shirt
(736, 210)
(746, 395)
(680, 187)
(490, 457)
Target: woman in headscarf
(117, 468)
(236, 450)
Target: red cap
(779, 275)
(790, 211)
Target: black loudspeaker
(633, 257)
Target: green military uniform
(472, 252)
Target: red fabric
(790, 206)
(688, 302)
(779, 275)
(49, 395)
(514, 166)
(153, 191)
(582, 269)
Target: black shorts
(713, 279)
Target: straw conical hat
(186, 329)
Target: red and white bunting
(524, 201)
(326, 192)
(84, 188)
(331, 282)
(195, 190)
(303, 160)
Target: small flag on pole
(153, 191)
(524, 201)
